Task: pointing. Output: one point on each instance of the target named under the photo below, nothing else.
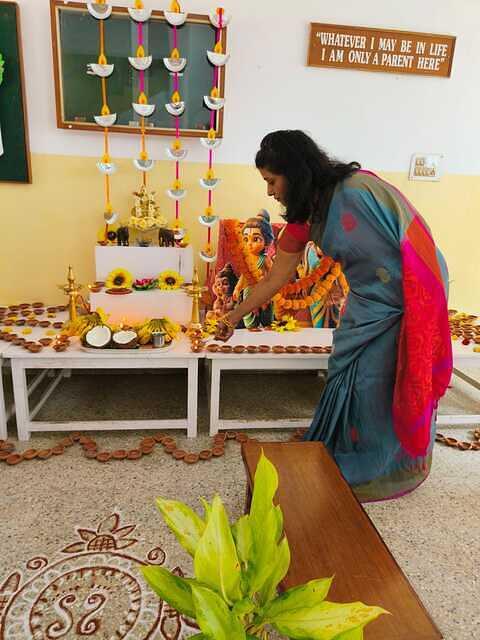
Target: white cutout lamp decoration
(99, 10)
(100, 70)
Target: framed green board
(14, 149)
(75, 43)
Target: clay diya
(44, 323)
(24, 305)
(252, 349)
(20, 322)
(226, 348)
(291, 349)
(35, 348)
(14, 307)
(206, 454)
(213, 348)
(37, 305)
(134, 454)
(39, 312)
(62, 307)
(119, 454)
(239, 348)
(264, 348)
(304, 348)
(118, 291)
(179, 454)
(19, 342)
(278, 348)
(32, 323)
(191, 458)
(46, 342)
(58, 346)
(58, 325)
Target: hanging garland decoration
(101, 11)
(175, 64)
(214, 102)
(141, 62)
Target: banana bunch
(145, 330)
(83, 324)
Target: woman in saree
(392, 358)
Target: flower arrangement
(145, 284)
(286, 323)
(170, 280)
(119, 279)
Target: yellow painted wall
(53, 222)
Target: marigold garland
(321, 279)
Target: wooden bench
(330, 535)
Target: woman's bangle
(226, 322)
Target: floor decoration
(462, 445)
(145, 447)
(92, 587)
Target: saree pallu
(392, 357)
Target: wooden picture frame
(64, 119)
(15, 164)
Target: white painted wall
(377, 119)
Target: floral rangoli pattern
(91, 589)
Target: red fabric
(424, 363)
(294, 237)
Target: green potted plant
(237, 571)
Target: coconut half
(125, 339)
(99, 337)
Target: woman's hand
(224, 330)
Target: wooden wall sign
(384, 50)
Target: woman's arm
(282, 271)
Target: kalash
(145, 217)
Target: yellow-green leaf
(214, 617)
(187, 525)
(242, 534)
(216, 561)
(324, 621)
(264, 489)
(301, 597)
(171, 588)
(269, 588)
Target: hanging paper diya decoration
(175, 65)
(214, 102)
(101, 11)
(141, 62)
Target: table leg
(214, 397)
(3, 413)
(192, 398)
(20, 394)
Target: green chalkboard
(76, 42)
(14, 151)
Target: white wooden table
(264, 362)
(179, 357)
(463, 358)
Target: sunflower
(118, 279)
(169, 280)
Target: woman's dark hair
(311, 175)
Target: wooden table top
(330, 534)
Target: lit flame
(177, 185)
(142, 98)
(102, 59)
(106, 158)
(210, 174)
(139, 4)
(177, 145)
(175, 54)
(176, 97)
(175, 7)
(214, 93)
(212, 134)
(105, 110)
(218, 47)
(143, 155)
(140, 52)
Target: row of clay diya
(145, 447)
(464, 328)
(59, 343)
(265, 348)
